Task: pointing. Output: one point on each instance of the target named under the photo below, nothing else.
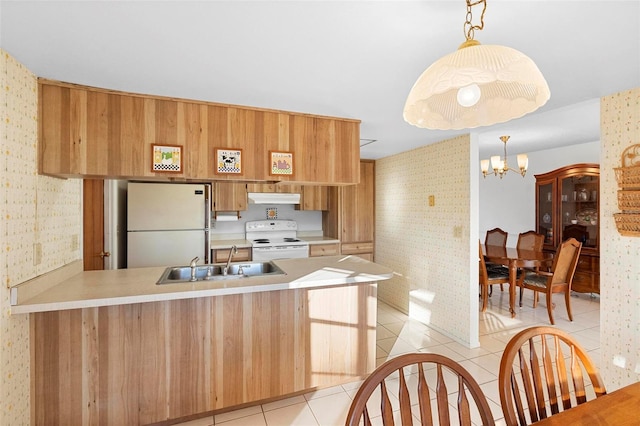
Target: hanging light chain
(469, 28)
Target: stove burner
(261, 241)
(291, 240)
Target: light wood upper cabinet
(358, 206)
(91, 132)
(350, 215)
(313, 197)
(272, 187)
(229, 196)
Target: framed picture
(228, 161)
(166, 158)
(281, 163)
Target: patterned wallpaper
(619, 265)
(417, 241)
(35, 210)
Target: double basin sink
(183, 274)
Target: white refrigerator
(167, 224)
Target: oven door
(262, 254)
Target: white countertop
(138, 285)
(227, 244)
(319, 240)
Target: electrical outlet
(75, 244)
(37, 254)
(432, 200)
(457, 231)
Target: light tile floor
(398, 334)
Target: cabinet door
(313, 198)
(358, 206)
(229, 196)
(579, 209)
(331, 249)
(546, 199)
(221, 255)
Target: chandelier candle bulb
(523, 162)
(484, 166)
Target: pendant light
(476, 85)
(500, 166)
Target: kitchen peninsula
(113, 347)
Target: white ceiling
(355, 59)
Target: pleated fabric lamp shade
(497, 84)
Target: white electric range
(275, 239)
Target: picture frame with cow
(281, 163)
(228, 161)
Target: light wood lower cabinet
(360, 249)
(221, 255)
(331, 249)
(150, 362)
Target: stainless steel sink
(179, 274)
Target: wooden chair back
(496, 237)
(558, 280)
(543, 370)
(487, 279)
(407, 376)
(579, 232)
(530, 240)
(565, 262)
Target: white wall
(509, 203)
(430, 247)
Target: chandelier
(500, 166)
(476, 85)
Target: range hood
(273, 198)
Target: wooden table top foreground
(620, 407)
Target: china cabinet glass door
(579, 209)
(546, 211)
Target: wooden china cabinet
(567, 205)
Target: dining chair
(530, 240)
(544, 370)
(557, 280)
(401, 383)
(495, 237)
(487, 278)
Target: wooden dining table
(515, 258)
(620, 407)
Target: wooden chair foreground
(406, 377)
(547, 367)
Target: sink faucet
(193, 264)
(234, 250)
